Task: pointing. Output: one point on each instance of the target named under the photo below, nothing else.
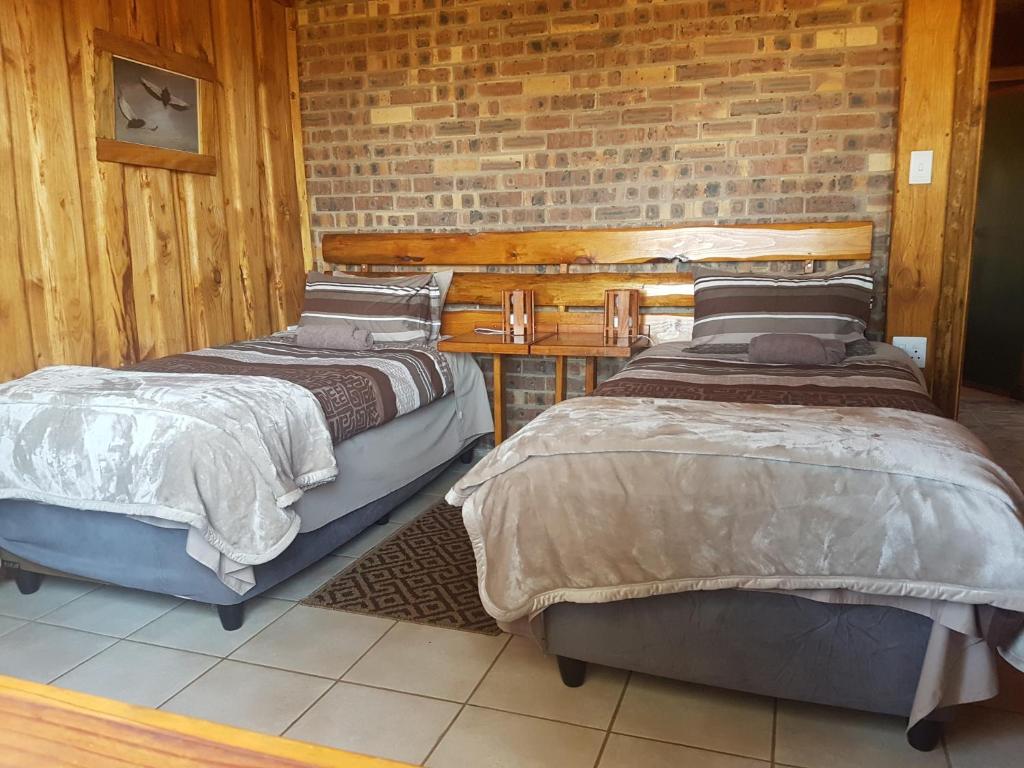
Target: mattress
(379, 461)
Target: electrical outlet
(915, 346)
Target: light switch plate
(915, 346)
(921, 166)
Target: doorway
(994, 333)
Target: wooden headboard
(571, 252)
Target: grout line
(338, 679)
(692, 746)
(196, 680)
(83, 661)
(465, 704)
(193, 680)
(611, 720)
(775, 727)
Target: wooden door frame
(944, 76)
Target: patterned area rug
(425, 573)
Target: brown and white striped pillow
(393, 309)
(735, 307)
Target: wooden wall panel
(201, 217)
(111, 262)
(926, 112)
(281, 214)
(958, 247)
(239, 161)
(16, 357)
(102, 190)
(942, 97)
(50, 225)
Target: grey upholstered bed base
(860, 657)
(118, 550)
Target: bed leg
(231, 616)
(27, 581)
(925, 735)
(467, 457)
(384, 520)
(573, 671)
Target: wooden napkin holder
(621, 314)
(517, 315)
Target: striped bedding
(734, 307)
(393, 309)
(873, 375)
(356, 390)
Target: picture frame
(154, 107)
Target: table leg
(560, 382)
(499, 399)
(590, 378)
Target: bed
(576, 546)
(389, 419)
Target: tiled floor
(450, 699)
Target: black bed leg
(573, 671)
(231, 616)
(925, 735)
(384, 520)
(467, 457)
(28, 581)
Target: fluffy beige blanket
(608, 498)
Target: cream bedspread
(224, 455)
(607, 498)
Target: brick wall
(484, 115)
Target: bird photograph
(155, 107)
(164, 95)
(133, 120)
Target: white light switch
(921, 166)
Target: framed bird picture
(154, 107)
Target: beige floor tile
(53, 593)
(985, 738)
(396, 726)
(7, 624)
(630, 752)
(195, 627)
(247, 696)
(812, 736)
(314, 641)
(303, 584)
(443, 482)
(526, 681)
(413, 508)
(147, 675)
(41, 653)
(367, 540)
(112, 611)
(697, 716)
(484, 738)
(414, 658)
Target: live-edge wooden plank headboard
(573, 250)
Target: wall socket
(915, 346)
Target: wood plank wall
(943, 87)
(106, 263)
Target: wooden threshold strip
(42, 726)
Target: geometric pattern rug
(425, 573)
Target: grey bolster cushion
(796, 349)
(334, 336)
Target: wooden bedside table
(496, 346)
(591, 346)
(560, 345)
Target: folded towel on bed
(338, 335)
(796, 349)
